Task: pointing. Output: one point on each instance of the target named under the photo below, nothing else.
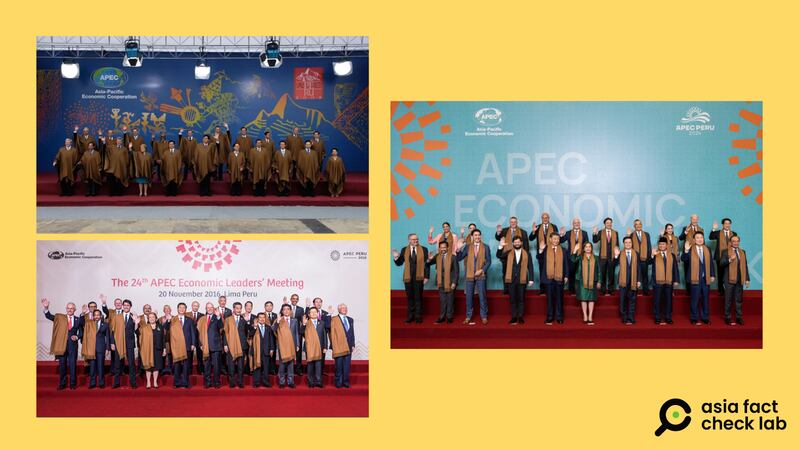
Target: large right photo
(576, 224)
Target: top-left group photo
(202, 134)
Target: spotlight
(271, 57)
(343, 67)
(202, 71)
(132, 56)
(70, 69)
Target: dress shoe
(560, 321)
(485, 321)
(281, 386)
(419, 320)
(72, 388)
(449, 320)
(408, 321)
(91, 386)
(548, 322)
(706, 322)
(439, 320)
(669, 322)
(291, 386)
(520, 320)
(740, 321)
(513, 321)
(694, 322)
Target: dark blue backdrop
(163, 95)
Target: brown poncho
(281, 164)
(339, 338)
(65, 163)
(286, 347)
(171, 167)
(91, 166)
(236, 163)
(142, 165)
(205, 158)
(334, 172)
(260, 164)
(307, 167)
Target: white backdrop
(169, 272)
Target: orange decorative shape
(446, 162)
(760, 133)
(393, 209)
(408, 104)
(746, 144)
(435, 145)
(394, 106)
(395, 185)
(431, 103)
(733, 160)
(760, 198)
(433, 191)
(409, 213)
(750, 170)
(412, 155)
(733, 127)
(403, 170)
(404, 120)
(428, 119)
(415, 195)
(411, 136)
(429, 171)
(751, 117)
(746, 190)
(445, 129)
(759, 154)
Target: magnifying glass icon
(666, 424)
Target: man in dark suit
(195, 315)
(74, 333)
(723, 240)
(548, 256)
(687, 235)
(298, 312)
(736, 277)
(286, 369)
(236, 365)
(701, 273)
(212, 323)
(665, 279)
(226, 312)
(130, 347)
(342, 363)
(415, 274)
(443, 260)
(181, 377)
(317, 303)
(573, 237)
(609, 245)
(477, 260)
(517, 277)
(314, 368)
(629, 280)
(508, 233)
(641, 243)
(102, 343)
(541, 234)
(266, 349)
(271, 316)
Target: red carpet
(356, 193)
(608, 331)
(199, 402)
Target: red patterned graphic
(308, 83)
(208, 255)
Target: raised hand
(75, 129)
(687, 246)
(217, 312)
(533, 226)
(714, 226)
(124, 128)
(576, 249)
(594, 230)
(84, 309)
(499, 228)
(308, 302)
(330, 309)
(103, 298)
(502, 242)
(136, 318)
(628, 231)
(395, 253)
(542, 245)
(226, 125)
(616, 252)
(285, 300)
(305, 320)
(430, 230)
(655, 252)
(46, 303)
(563, 232)
(180, 131)
(462, 231)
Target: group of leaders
(234, 341)
(585, 266)
(116, 160)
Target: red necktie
(70, 322)
(208, 322)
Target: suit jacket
(725, 263)
(321, 330)
(543, 257)
(189, 332)
(103, 338)
(243, 330)
(717, 236)
(76, 330)
(322, 313)
(214, 334)
(516, 269)
(523, 233)
(675, 276)
(570, 237)
(464, 252)
(687, 258)
(350, 333)
(413, 262)
(227, 312)
(454, 272)
(623, 259)
(267, 340)
(601, 234)
(130, 332)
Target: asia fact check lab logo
(695, 122)
(675, 415)
(488, 122)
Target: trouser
(219, 171)
(721, 285)
(342, 370)
(91, 188)
(571, 280)
(308, 189)
(479, 286)
(211, 369)
(286, 373)
(130, 361)
(607, 275)
(298, 362)
(645, 276)
(205, 186)
(235, 368)
(236, 188)
(414, 299)
(314, 372)
(68, 362)
(686, 273)
(223, 362)
(627, 304)
(542, 277)
(699, 301)
(180, 375)
(733, 294)
(446, 304)
(96, 377)
(261, 373)
(246, 359)
(260, 188)
(555, 300)
(171, 189)
(157, 170)
(67, 187)
(186, 165)
(516, 294)
(190, 357)
(662, 302)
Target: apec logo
(489, 117)
(56, 255)
(109, 77)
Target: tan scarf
(255, 361)
(202, 331)
(604, 244)
(587, 271)
(232, 333)
(740, 265)
(695, 268)
(451, 242)
(286, 342)
(572, 243)
(339, 338)
(541, 235)
(510, 236)
(471, 263)
(555, 265)
(672, 244)
(118, 328)
(523, 266)
(89, 340)
(623, 269)
(407, 265)
(664, 272)
(724, 242)
(146, 346)
(641, 244)
(443, 269)
(690, 233)
(177, 341)
(313, 350)
(58, 343)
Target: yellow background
(466, 50)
